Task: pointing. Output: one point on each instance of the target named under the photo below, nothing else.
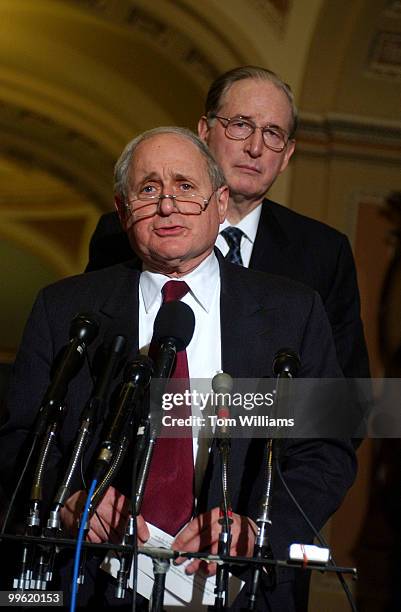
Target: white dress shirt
(204, 350)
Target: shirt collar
(202, 283)
(249, 223)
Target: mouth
(169, 230)
(248, 168)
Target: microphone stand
(114, 449)
(88, 418)
(83, 329)
(262, 543)
(160, 565)
(222, 384)
(224, 544)
(145, 448)
(285, 366)
(27, 580)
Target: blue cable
(78, 549)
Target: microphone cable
(285, 366)
(319, 537)
(78, 549)
(14, 495)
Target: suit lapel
(245, 324)
(271, 241)
(120, 310)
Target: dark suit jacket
(291, 245)
(259, 315)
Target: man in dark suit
(171, 198)
(249, 125)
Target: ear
(203, 129)
(222, 196)
(120, 209)
(287, 155)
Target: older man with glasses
(249, 125)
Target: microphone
(89, 415)
(172, 330)
(115, 353)
(83, 330)
(222, 384)
(136, 378)
(286, 363)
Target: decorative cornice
(345, 135)
(170, 40)
(274, 11)
(385, 55)
(38, 140)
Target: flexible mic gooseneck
(88, 418)
(83, 330)
(136, 379)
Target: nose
(166, 205)
(254, 144)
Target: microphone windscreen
(85, 327)
(222, 383)
(139, 371)
(286, 361)
(174, 320)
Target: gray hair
(222, 84)
(121, 169)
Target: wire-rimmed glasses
(146, 205)
(239, 128)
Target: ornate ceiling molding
(393, 8)
(385, 55)
(342, 135)
(274, 11)
(171, 40)
(39, 141)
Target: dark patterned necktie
(233, 237)
(169, 495)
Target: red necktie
(169, 495)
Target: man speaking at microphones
(172, 197)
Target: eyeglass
(238, 128)
(146, 205)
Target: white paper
(180, 590)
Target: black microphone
(172, 330)
(136, 378)
(83, 330)
(286, 363)
(88, 418)
(115, 353)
